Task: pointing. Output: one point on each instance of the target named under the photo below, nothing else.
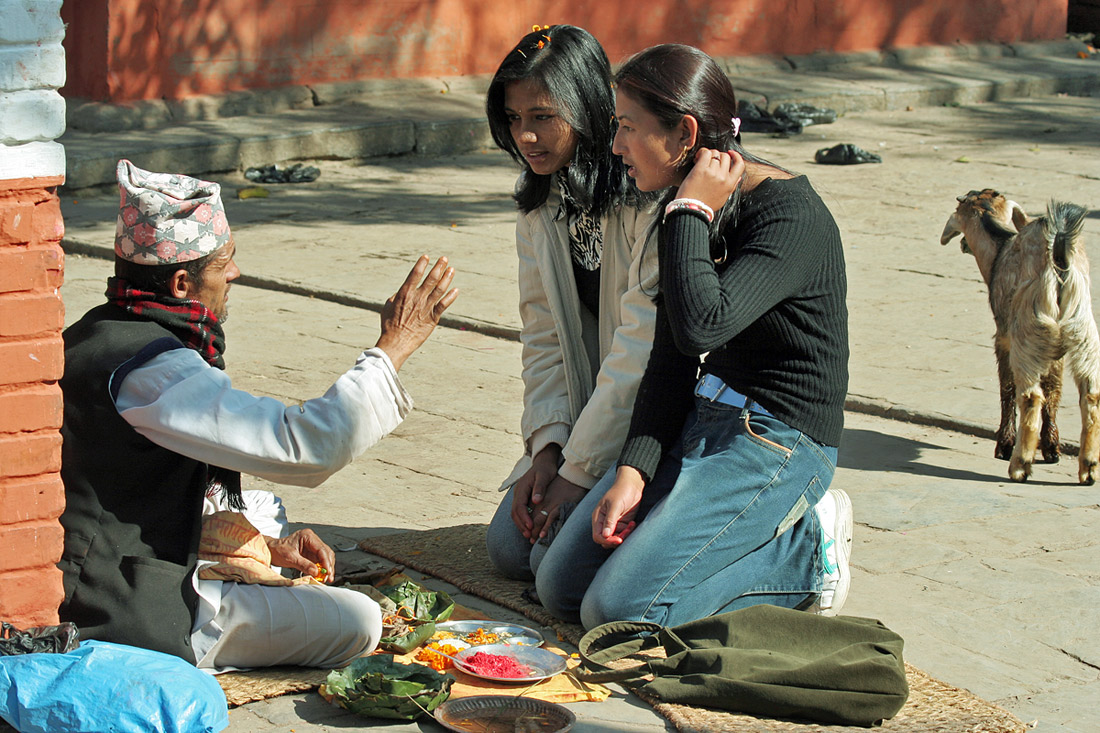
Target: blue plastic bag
(101, 687)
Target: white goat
(1038, 278)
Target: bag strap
(612, 641)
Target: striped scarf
(193, 324)
(189, 320)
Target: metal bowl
(542, 663)
(504, 714)
(509, 633)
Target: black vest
(133, 509)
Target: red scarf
(189, 320)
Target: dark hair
(156, 278)
(573, 68)
(673, 80)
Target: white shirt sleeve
(181, 403)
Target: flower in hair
(736, 122)
(535, 29)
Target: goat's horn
(1019, 217)
(960, 199)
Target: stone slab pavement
(446, 116)
(994, 585)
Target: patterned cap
(166, 218)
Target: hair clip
(537, 27)
(736, 121)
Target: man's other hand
(413, 312)
(305, 552)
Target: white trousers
(243, 626)
(305, 625)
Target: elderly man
(155, 439)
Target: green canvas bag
(762, 660)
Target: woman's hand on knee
(529, 490)
(613, 517)
(560, 491)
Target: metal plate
(501, 714)
(542, 663)
(509, 633)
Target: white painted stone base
(32, 160)
(32, 68)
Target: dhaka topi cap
(167, 218)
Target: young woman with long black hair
(587, 318)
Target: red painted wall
(124, 50)
(31, 318)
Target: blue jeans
(509, 550)
(725, 523)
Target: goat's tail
(1063, 227)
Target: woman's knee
(509, 551)
(560, 599)
(560, 586)
(601, 607)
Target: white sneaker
(834, 514)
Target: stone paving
(994, 585)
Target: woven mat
(259, 684)
(458, 556)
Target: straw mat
(242, 688)
(457, 555)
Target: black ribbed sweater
(772, 316)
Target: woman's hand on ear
(713, 178)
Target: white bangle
(690, 205)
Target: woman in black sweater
(721, 499)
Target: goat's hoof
(1052, 455)
(1003, 451)
(1086, 475)
(1019, 471)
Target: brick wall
(32, 166)
(31, 319)
(129, 50)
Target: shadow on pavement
(866, 450)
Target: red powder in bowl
(495, 665)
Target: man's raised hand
(413, 312)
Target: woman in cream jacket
(586, 280)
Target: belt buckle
(707, 389)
